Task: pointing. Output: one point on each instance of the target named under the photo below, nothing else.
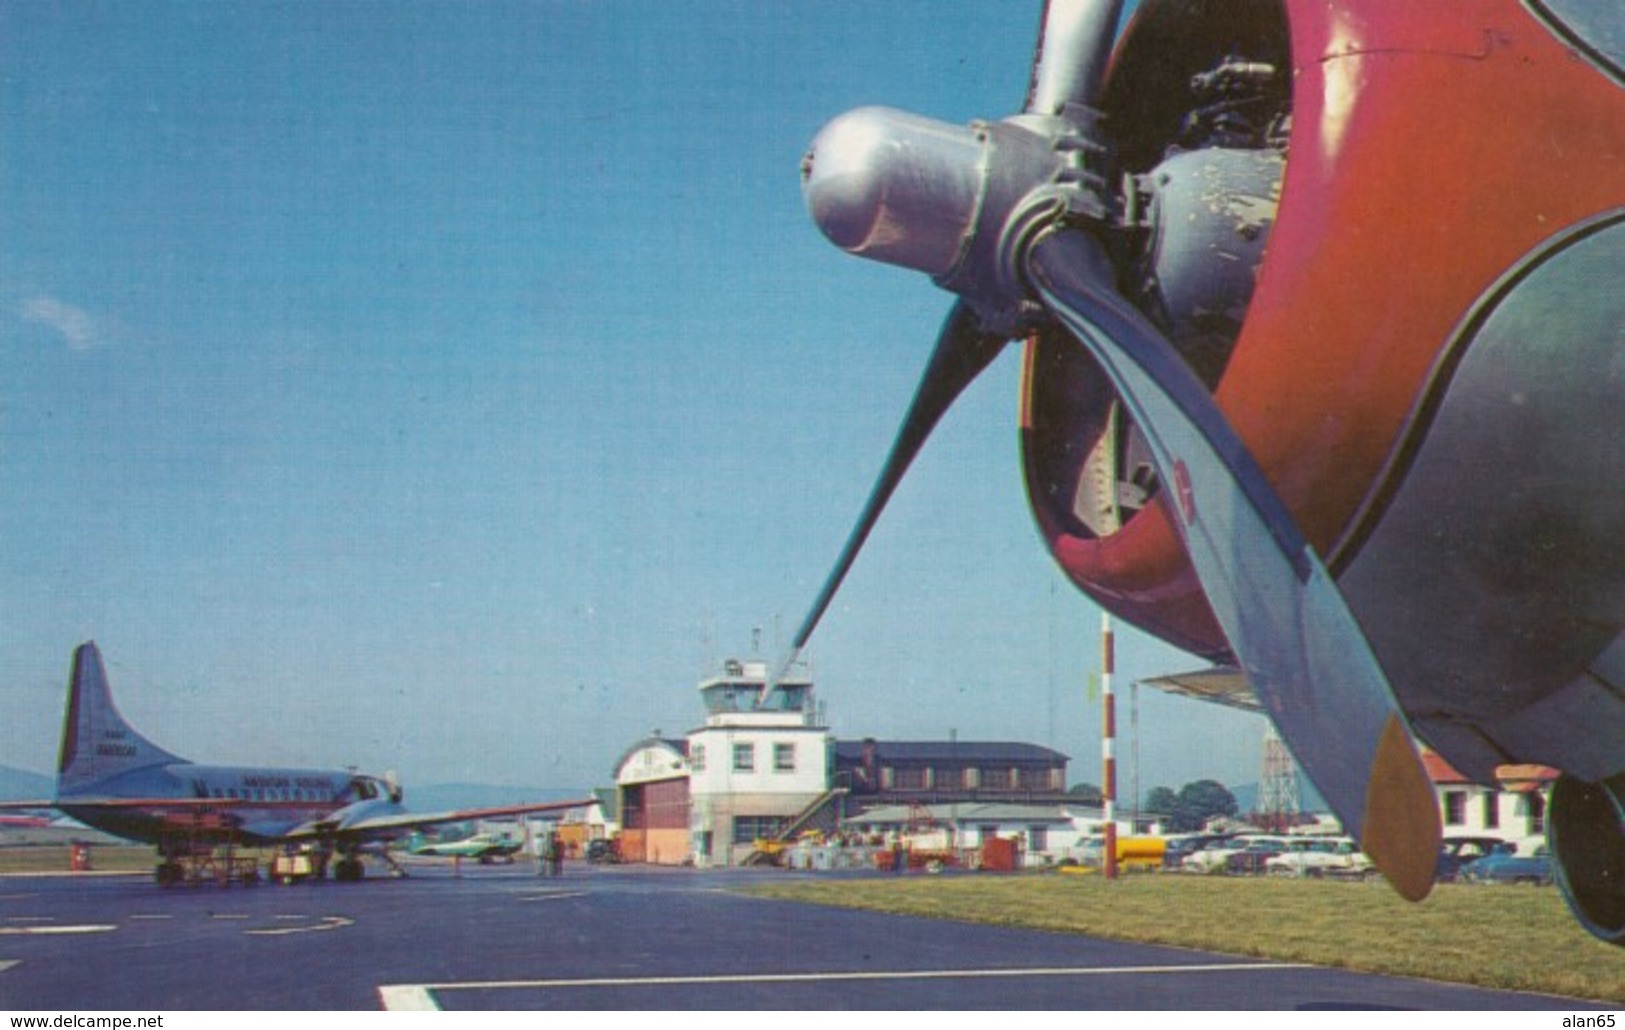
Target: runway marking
(150, 917)
(19, 930)
(551, 897)
(327, 923)
(229, 915)
(407, 998)
(424, 994)
(7, 963)
(31, 919)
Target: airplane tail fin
(96, 741)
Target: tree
(1086, 793)
(1162, 801)
(1200, 801)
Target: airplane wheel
(349, 870)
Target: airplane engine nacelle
(1387, 237)
(1586, 830)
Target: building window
(947, 778)
(996, 779)
(1537, 813)
(696, 758)
(1038, 838)
(1455, 807)
(744, 758)
(910, 778)
(784, 758)
(751, 828)
(1492, 810)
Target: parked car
(1510, 864)
(1216, 859)
(1250, 860)
(1323, 856)
(1455, 853)
(1183, 846)
(602, 852)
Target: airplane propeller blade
(1305, 655)
(963, 351)
(1074, 48)
(998, 210)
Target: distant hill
(1246, 795)
(21, 785)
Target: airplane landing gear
(349, 870)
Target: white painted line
(551, 897)
(229, 915)
(7, 963)
(31, 919)
(19, 930)
(407, 998)
(154, 916)
(327, 923)
(64, 873)
(406, 990)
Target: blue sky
(446, 387)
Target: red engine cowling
(1389, 236)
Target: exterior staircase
(823, 814)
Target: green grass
(1510, 938)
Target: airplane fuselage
(257, 805)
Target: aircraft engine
(1586, 831)
(1323, 368)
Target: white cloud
(79, 330)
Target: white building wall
(1471, 810)
(722, 789)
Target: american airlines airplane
(111, 777)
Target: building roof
(677, 747)
(1508, 777)
(967, 751)
(973, 812)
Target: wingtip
(1401, 824)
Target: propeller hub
(955, 202)
(895, 187)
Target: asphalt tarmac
(624, 938)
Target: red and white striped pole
(1108, 745)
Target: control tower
(760, 759)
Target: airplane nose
(895, 187)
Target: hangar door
(654, 822)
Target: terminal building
(763, 767)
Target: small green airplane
(487, 847)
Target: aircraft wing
(1221, 684)
(388, 824)
(26, 806)
(128, 804)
